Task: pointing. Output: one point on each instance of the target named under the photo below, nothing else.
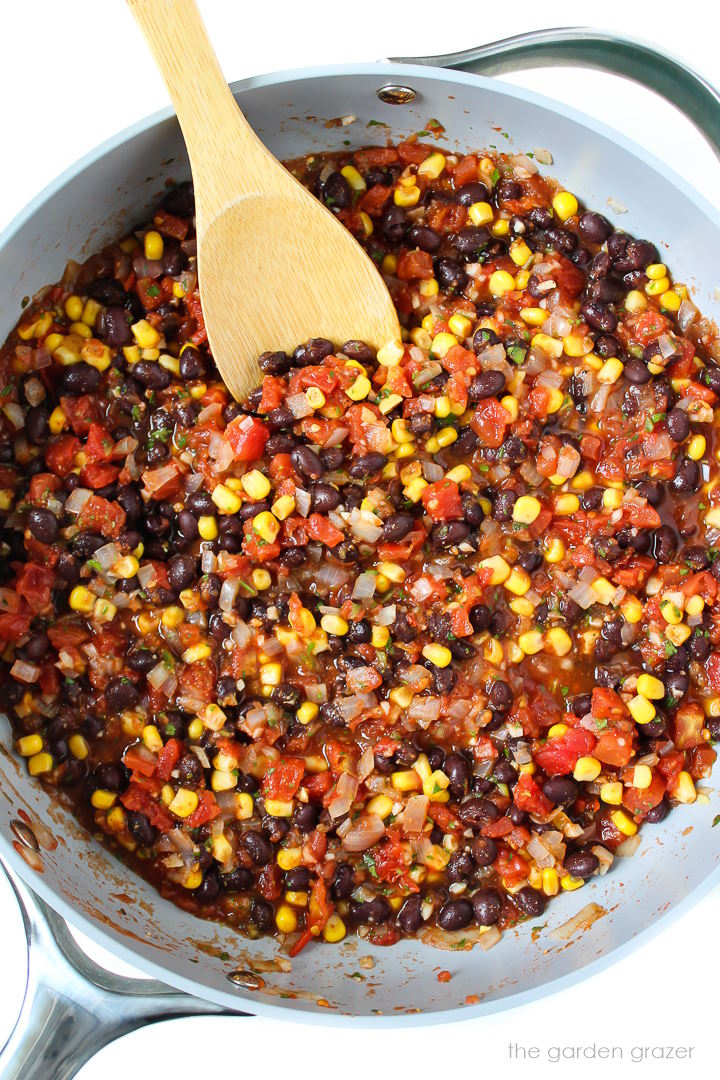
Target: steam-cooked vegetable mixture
(406, 643)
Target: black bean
(258, 847)
(358, 350)
(324, 497)
(460, 867)
(636, 372)
(483, 339)
(530, 561)
(471, 193)
(192, 364)
(581, 864)
(306, 462)
(449, 533)
(476, 813)
(665, 544)
(80, 379)
(333, 457)
(367, 465)
(505, 190)
(393, 223)
(480, 617)
(274, 363)
(503, 504)
(677, 684)
(484, 851)
(699, 647)
(678, 425)
(396, 527)
(140, 658)
(487, 906)
(286, 697)
(425, 238)
(262, 914)
(297, 880)
(455, 915)
(140, 828)
(529, 902)
(111, 776)
(457, 769)
(182, 572)
(359, 632)
(562, 240)
(450, 275)
(658, 813)
(581, 704)
(599, 316)
(500, 695)
(409, 917)
(652, 490)
(121, 694)
(36, 424)
(116, 327)
(306, 817)
(488, 384)
(472, 511)
(469, 242)
(444, 679)
(67, 567)
(371, 911)
(190, 769)
(151, 375)
(336, 192)
(594, 228)
(43, 525)
(560, 790)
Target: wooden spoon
(275, 267)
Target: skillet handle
(569, 46)
(72, 1007)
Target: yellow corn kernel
(641, 777)
(81, 599)
(522, 606)
(29, 745)
(520, 253)
(695, 605)
(604, 590)
(566, 504)
(438, 655)
(671, 613)
(500, 569)
(279, 808)
(445, 437)
(307, 712)
(315, 397)
(670, 301)
(145, 335)
(78, 746)
(684, 790)
(334, 930)
(297, 899)
(657, 288)
(612, 499)
(576, 345)
(196, 653)
(288, 858)
(460, 326)
(406, 780)
(442, 343)
(256, 484)
(493, 652)
(271, 674)
(401, 696)
(650, 687)
(221, 849)
(587, 769)
(226, 500)
(533, 316)
(360, 389)
(198, 391)
(526, 509)
(570, 883)
(390, 355)
(103, 800)
(40, 763)
(245, 807)
(635, 301)
(611, 371)
(283, 507)
(696, 447)
(152, 738)
(414, 489)
(565, 205)
(213, 717)
(623, 823)
(558, 641)
(57, 420)
(154, 245)
(334, 624)
(518, 581)
(501, 227)
(531, 642)
(389, 265)
(655, 271)
(381, 805)
(74, 308)
(501, 282)
(550, 881)
(521, 280)
(172, 616)
(632, 609)
(421, 338)
(406, 196)
(641, 710)
(184, 803)
(193, 879)
(582, 481)
(432, 166)
(353, 177)
(429, 287)
(549, 345)
(261, 579)
(380, 636)
(557, 731)
(286, 919)
(195, 729)
(104, 610)
(265, 525)
(612, 793)
(459, 475)
(393, 571)
(481, 213)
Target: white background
(75, 72)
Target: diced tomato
(273, 392)
(63, 634)
(644, 327)
(99, 476)
(171, 225)
(282, 780)
(688, 726)
(42, 487)
(322, 529)
(168, 758)
(458, 360)
(466, 171)
(34, 584)
(247, 437)
(136, 798)
(527, 796)
(614, 748)
(442, 500)
(14, 625)
(320, 908)
(670, 765)
(375, 155)
(207, 809)
(194, 307)
(135, 761)
(607, 705)
(412, 265)
(511, 867)
(256, 548)
(443, 817)
(318, 784)
(100, 515)
(712, 669)
(460, 623)
(490, 422)
(81, 412)
(60, 454)
(502, 826)
(412, 153)
(560, 755)
(374, 200)
(639, 800)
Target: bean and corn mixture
(404, 644)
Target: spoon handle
(219, 139)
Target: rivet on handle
(396, 95)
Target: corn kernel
(531, 642)
(650, 687)
(184, 803)
(334, 930)
(393, 571)
(29, 745)
(570, 883)
(518, 581)
(145, 335)
(421, 338)
(406, 780)
(612, 793)
(401, 696)
(406, 196)
(414, 489)
(481, 213)
(587, 769)
(533, 316)
(670, 301)
(550, 346)
(499, 567)
(196, 653)
(429, 287)
(641, 710)
(296, 898)
(501, 282)
(520, 253)
(286, 919)
(334, 624)
(438, 655)
(152, 738)
(635, 301)
(656, 270)
(81, 599)
(288, 858)
(657, 288)
(632, 609)
(612, 499)
(558, 641)
(550, 881)
(670, 612)
(279, 807)
(526, 509)
(432, 166)
(266, 526)
(307, 712)
(604, 590)
(154, 246)
(256, 484)
(353, 177)
(566, 504)
(623, 823)
(380, 637)
(493, 652)
(381, 805)
(557, 731)
(460, 326)
(684, 790)
(565, 205)
(445, 437)
(78, 746)
(103, 800)
(226, 500)
(271, 674)
(576, 345)
(390, 355)
(360, 389)
(696, 447)
(501, 227)
(442, 343)
(522, 606)
(40, 763)
(74, 308)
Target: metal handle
(668, 76)
(72, 1007)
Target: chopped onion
(146, 575)
(426, 375)
(363, 525)
(158, 675)
(317, 693)
(210, 412)
(299, 406)
(220, 450)
(364, 587)
(366, 764)
(628, 847)
(599, 400)
(346, 791)
(657, 447)
(303, 500)
(208, 561)
(241, 634)
(523, 166)
(583, 594)
(385, 616)
(77, 499)
(494, 358)
(24, 672)
(201, 756)
(424, 710)
(412, 818)
(686, 316)
(350, 707)
(332, 576)
(336, 437)
(432, 471)
(582, 921)
(417, 677)
(228, 593)
(364, 833)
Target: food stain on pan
(44, 837)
